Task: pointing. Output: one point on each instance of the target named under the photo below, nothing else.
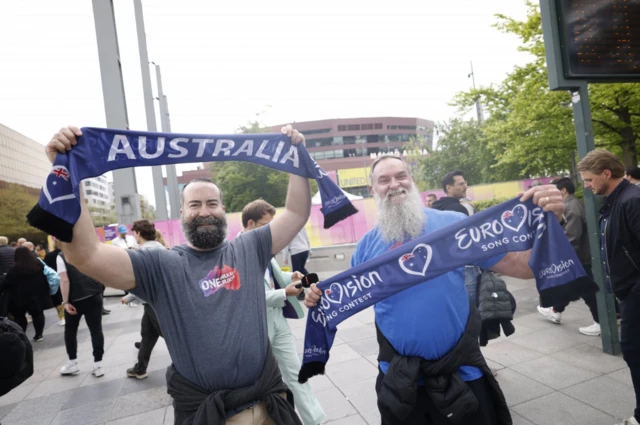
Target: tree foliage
(148, 211)
(243, 182)
(15, 202)
(531, 127)
(102, 217)
(414, 162)
(463, 146)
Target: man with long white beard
(209, 297)
(428, 321)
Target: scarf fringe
(50, 224)
(568, 292)
(309, 370)
(340, 214)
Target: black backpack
(16, 352)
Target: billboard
(353, 177)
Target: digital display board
(600, 39)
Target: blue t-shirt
(428, 319)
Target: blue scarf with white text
(508, 227)
(100, 150)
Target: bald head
(21, 241)
(28, 245)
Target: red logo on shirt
(225, 277)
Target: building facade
(97, 193)
(22, 160)
(350, 142)
(345, 148)
(203, 172)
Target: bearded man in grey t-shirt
(208, 294)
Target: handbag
(52, 277)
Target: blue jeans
(471, 274)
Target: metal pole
(172, 177)
(158, 181)
(115, 106)
(584, 138)
(473, 77)
(478, 105)
(606, 306)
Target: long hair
(25, 262)
(160, 239)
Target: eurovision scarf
(510, 226)
(100, 150)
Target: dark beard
(205, 239)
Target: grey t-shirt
(211, 307)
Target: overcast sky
(223, 62)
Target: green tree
(531, 127)
(148, 211)
(414, 158)
(243, 182)
(15, 202)
(102, 217)
(463, 146)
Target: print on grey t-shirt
(211, 307)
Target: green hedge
(488, 203)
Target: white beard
(399, 221)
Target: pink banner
(353, 228)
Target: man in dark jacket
(603, 173)
(575, 228)
(455, 187)
(633, 175)
(6, 255)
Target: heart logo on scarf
(58, 186)
(514, 219)
(417, 261)
(334, 293)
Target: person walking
(82, 296)
(603, 173)
(144, 232)
(56, 299)
(29, 291)
(6, 255)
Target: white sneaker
(70, 368)
(631, 421)
(97, 370)
(550, 314)
(61, 322)
(593, 330)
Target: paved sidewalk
(550, 374)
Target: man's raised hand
(295, 135)
(62, 141)
(547, 197)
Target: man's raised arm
(286, 225)
(516, 264)
(109, 265)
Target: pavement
(550, 374)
